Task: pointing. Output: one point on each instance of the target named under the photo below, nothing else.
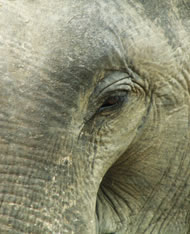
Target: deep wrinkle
(111, 81)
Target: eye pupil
(111, 101)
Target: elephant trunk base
(35, 199)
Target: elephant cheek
(37, 196)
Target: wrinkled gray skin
(95, 116)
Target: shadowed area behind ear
(118, 198)
(123, 191)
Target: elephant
(95, 116)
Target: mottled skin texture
(95, 116)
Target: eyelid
(118, 85)
(109, 83)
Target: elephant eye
(111, 103)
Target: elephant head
(95, 116)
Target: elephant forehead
(70, 37)
(93, 36)
(54, 35)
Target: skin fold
(95, 116)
